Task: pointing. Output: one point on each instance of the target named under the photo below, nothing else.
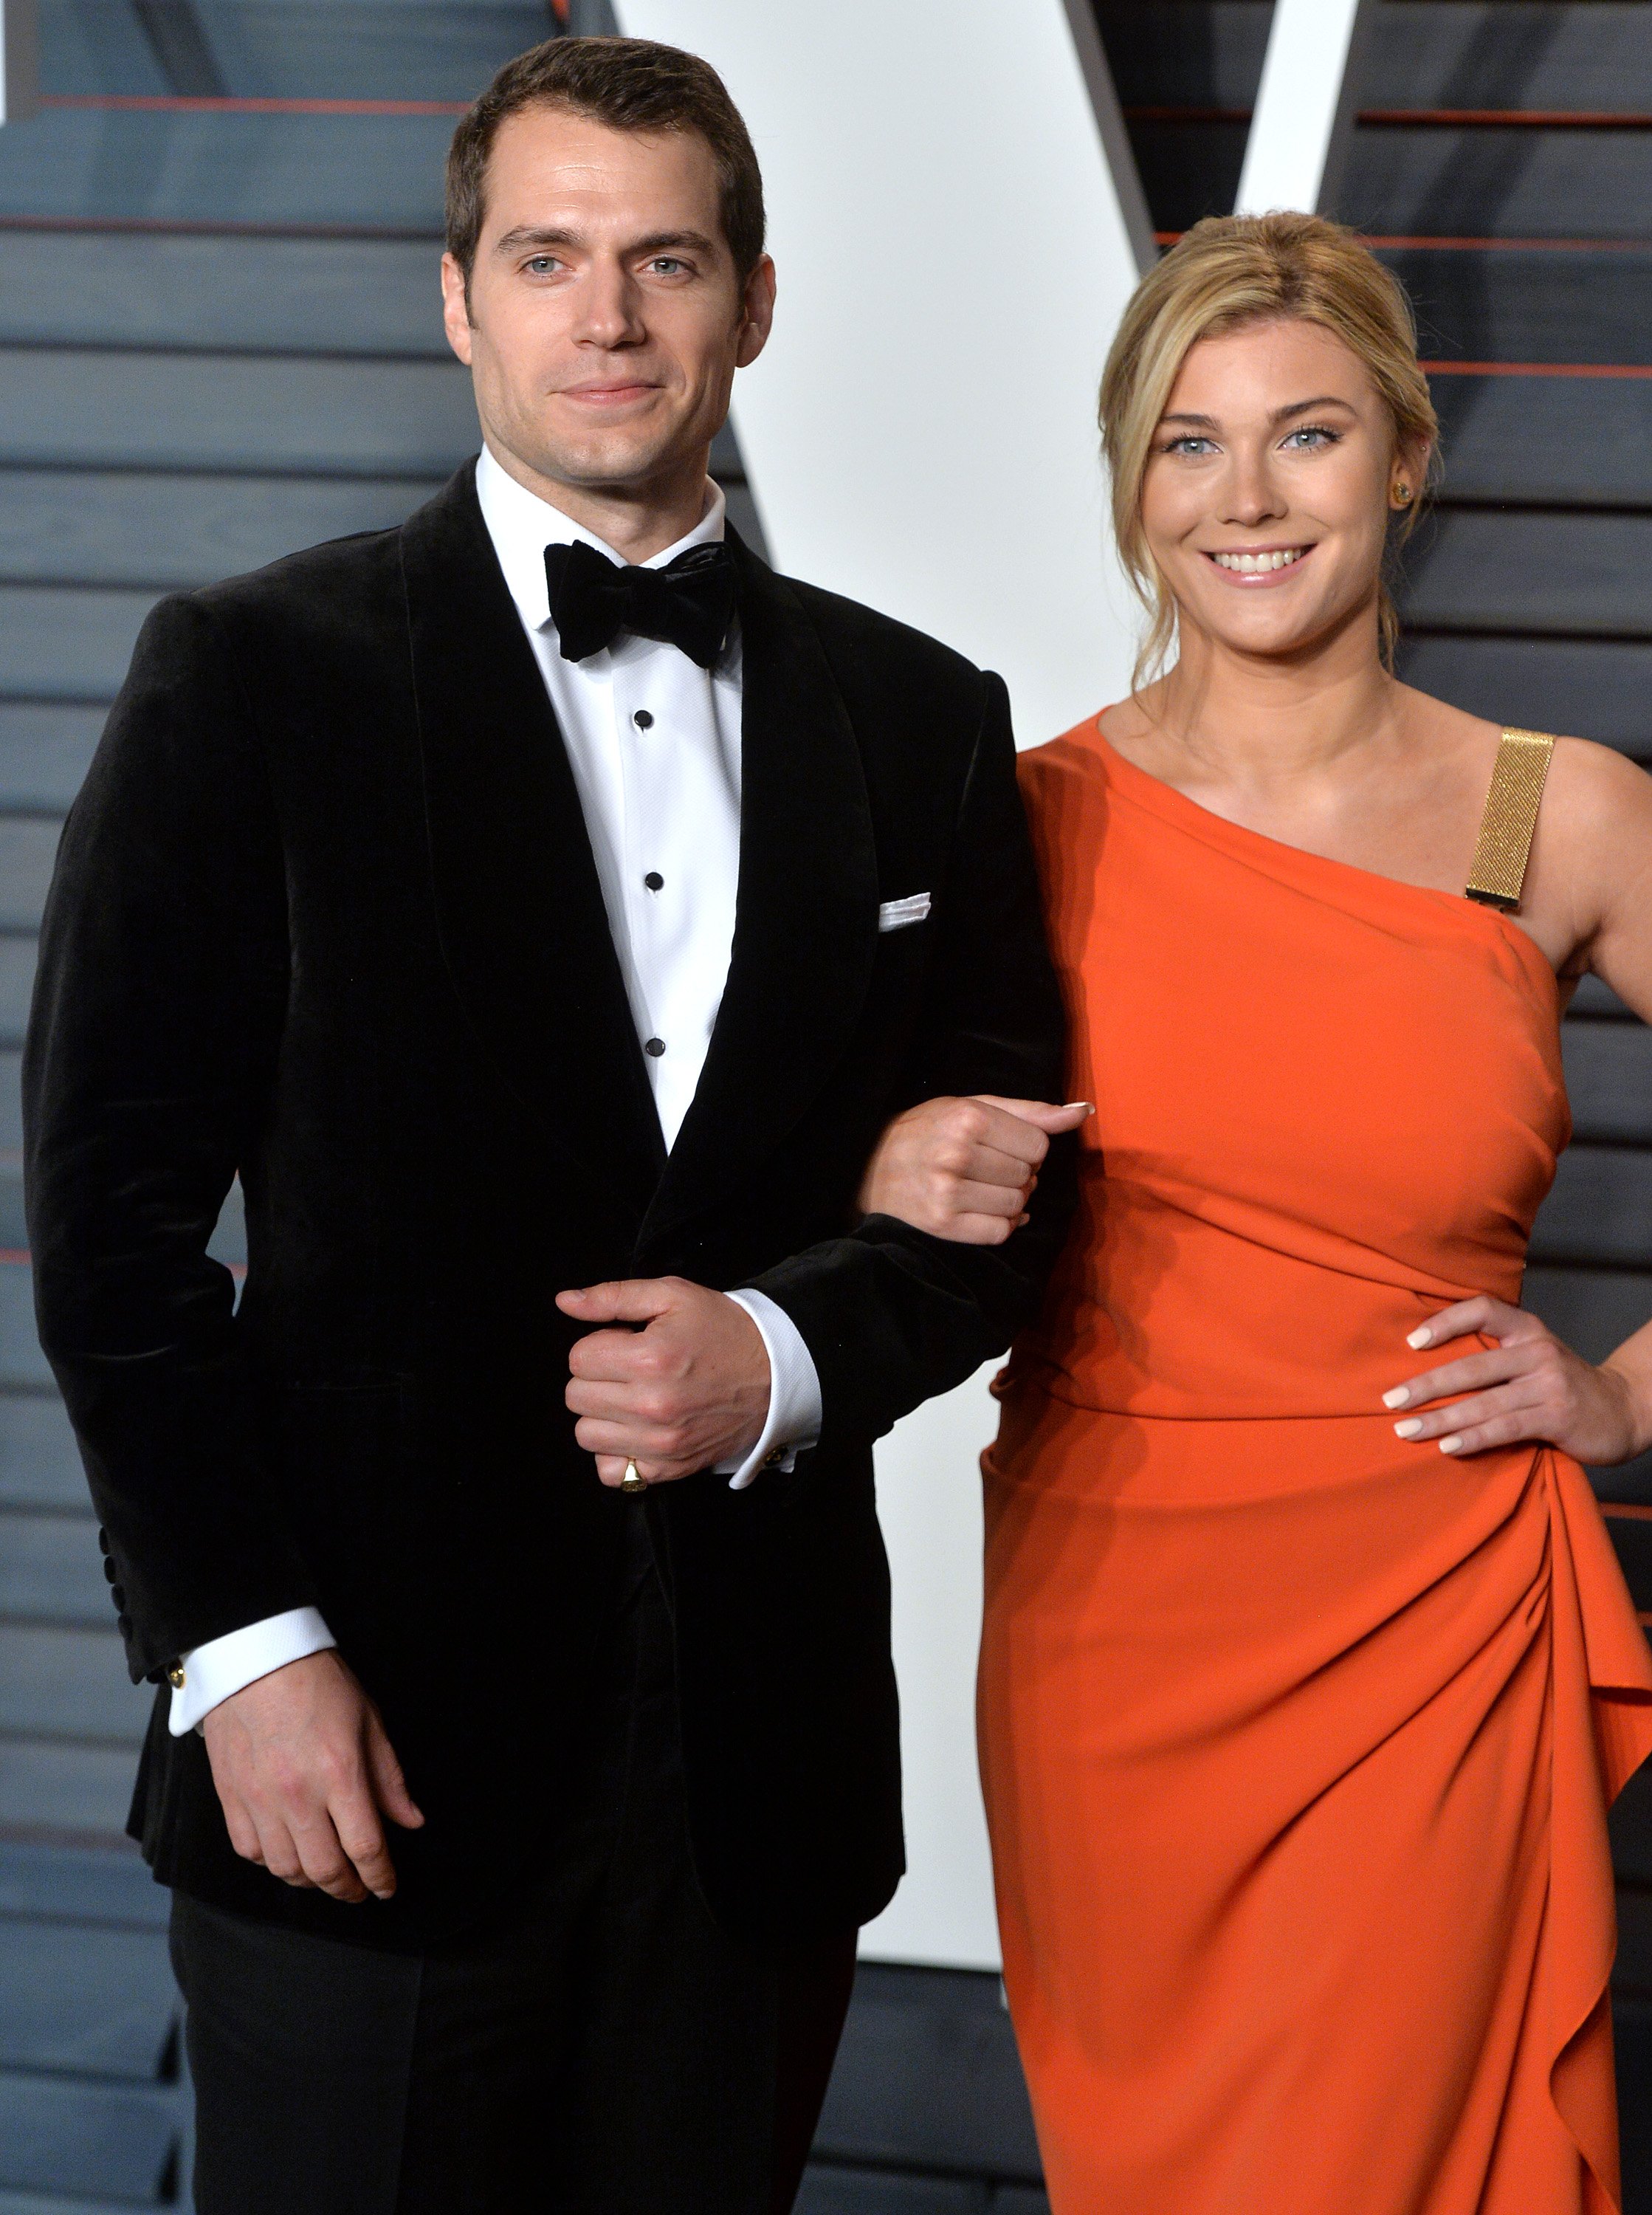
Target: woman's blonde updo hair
(1227, 272)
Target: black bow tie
(689, 603)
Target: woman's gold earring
(1403, 495)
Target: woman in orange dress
(1308, 1671)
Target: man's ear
(758, 313)
(455, 308)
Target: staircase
(1503, 167)
(218, 341)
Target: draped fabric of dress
(1297, 1741)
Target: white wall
(921, 434)
(19, 45)
(1305, 106)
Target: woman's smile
(1253, 565)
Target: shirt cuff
(224, 1666)
(794, 1411)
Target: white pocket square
(896, 915)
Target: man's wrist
(794, 1408)
(216, 1672)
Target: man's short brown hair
(630, 85)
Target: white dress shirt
(654, 742)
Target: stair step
(1609, 1080)
(1426, 53)
(342, 49)
(69, 1685)
(125, 408)
(1508, 570)
(39, 1461)
(111, 2141)
(913, 2034)
(14, 1225)
(23, 1367)
(67, 642)
(87, 2002)
(29, 850)
(109, 1883)
(1200, 54)
(1632, 1851)
(45, 753)
(1188, 169)
(1539, 304)
(76, 1791)
(51, 1570)
(1599, 1211)
(1433, 183)
(1591, 689)
(349, 172)
(1595, 1310)
(333, 295)
(38, 2202)
(1632, 1537)
(864, 2192)
(1508, 53)
(1542, 438)
(1505, 184)
(91, 527)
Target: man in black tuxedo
(543, 895)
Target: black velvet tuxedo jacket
(326, 916)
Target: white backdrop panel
(20, 50)
(952, 262)
(921, 434)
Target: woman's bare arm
(1591, 910)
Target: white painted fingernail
(1398, 1397)
(1453, 1445)
(1422, 1336)
(1409, 1428)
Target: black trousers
(607, 2051)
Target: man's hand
(689, 1389)
(303, 1772)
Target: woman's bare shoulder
(1586, 780)
(1597, 811)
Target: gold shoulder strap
(1510, 821)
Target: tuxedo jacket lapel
(805, 930)
(524, 929)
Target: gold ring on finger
(632, 1481)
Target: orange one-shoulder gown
(1298, 1741)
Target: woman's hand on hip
(1529, 1386)
(964, 1169)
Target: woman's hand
(1529, 1387)
(964, 1169)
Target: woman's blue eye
(1312, 431)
